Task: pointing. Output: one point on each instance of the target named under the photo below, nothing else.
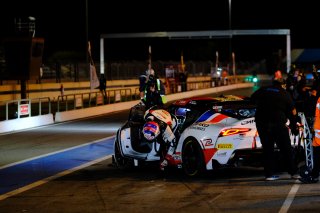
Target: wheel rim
(191, 158)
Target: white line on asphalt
(287, 203)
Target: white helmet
(150, 72)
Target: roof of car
(223, 98)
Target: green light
(255, 79)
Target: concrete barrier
(25, 123)
(93, 111)
(30, 122)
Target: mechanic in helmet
(154, 93)
(161, 122)
(274, 107)
(144, 78)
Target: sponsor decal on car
(217, 107)
(207, 142)
(203, 124)
(198, 128)
(225, 146)
(222, 154)
(247, 122)
(181, 102)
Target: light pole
(230, 33)
(87, 37)
(230, 15)
(231, 54)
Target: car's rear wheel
(192, 158)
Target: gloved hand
(163, 164)
(168, 158)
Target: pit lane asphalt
(103, 188)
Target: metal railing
(37, 106)
(85, 100)
(27, 107)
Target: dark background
(63, 26)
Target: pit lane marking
(27, 174)
(290, 197)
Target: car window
(247, 113)
(239, 113)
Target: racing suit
(274, 107)
(168, 125)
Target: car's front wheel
(192, 158)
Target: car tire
(192, 158)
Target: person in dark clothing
(103, 85)
(153, 96)
(183, 81)
(142, 85)
(274, 107)
(148, 76)
(296, 86)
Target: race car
(225, 135)
(212, 132)
(132, 148)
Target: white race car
(225, 135)
(211, 132)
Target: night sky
(63, 25)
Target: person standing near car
(157, 88)
(152, 96)
(143, 80)
(314, 175)
(274, 108)
(62, 92)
